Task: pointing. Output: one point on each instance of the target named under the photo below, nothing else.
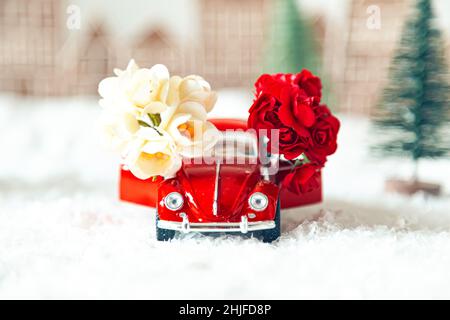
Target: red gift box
(145, 192)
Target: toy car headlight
(173, 201)
(258, 201)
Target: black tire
(271, 235)
(163, 234)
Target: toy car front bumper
(243, 227)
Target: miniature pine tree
(415, 110)
(291, 46)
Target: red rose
(295, 110)
(309, 83)
(291, 144)
(291, 104)
(303, 179)
(263, 113)
(272, 84)
(323, 135)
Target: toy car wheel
(163, 234)
(271, 235)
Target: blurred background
(62, 226)
(64, 48)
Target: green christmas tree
(415, 111)
(291, 45)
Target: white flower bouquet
(154, 119)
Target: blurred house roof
(127, 19)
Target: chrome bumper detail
(244, 226)
(185, 226)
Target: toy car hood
(202, 182)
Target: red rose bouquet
(307, 130)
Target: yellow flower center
(157, 155)
(186, 130)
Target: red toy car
(221, 193)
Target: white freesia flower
(118, 128)
(173, 95)
(195, 88)
(135, 87)
(129, 96)
(189, 128)
(152, 153)
(154, 119)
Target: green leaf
(305, 159)
(300, 162)
(144, 124)
(156, 118)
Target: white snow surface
(64, 234)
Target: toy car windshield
(236, 144)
